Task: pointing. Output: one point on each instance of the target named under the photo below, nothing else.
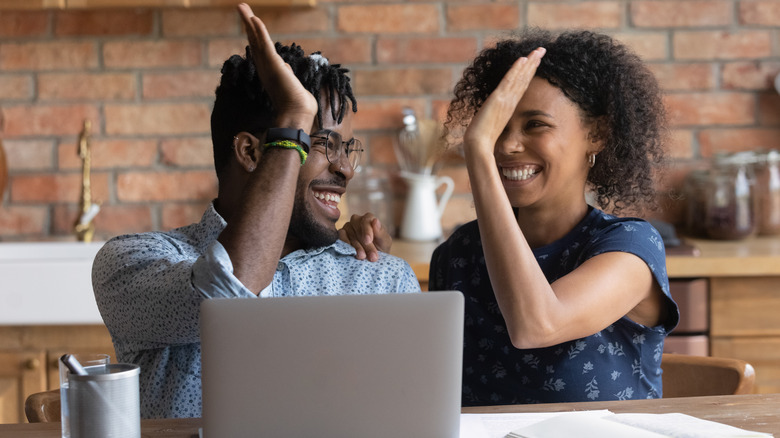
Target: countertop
(754, 257)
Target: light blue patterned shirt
(149, 288)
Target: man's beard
(305, 228)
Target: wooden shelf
(101, 4)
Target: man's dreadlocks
(243, 105)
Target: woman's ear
(597, 135)
(246, 149)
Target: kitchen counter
(756, 256)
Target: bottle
(768, 192)
(730, 198)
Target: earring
(251, 169)
(592, 160)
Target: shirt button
(280, 267)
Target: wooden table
(757, 412)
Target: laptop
(333, 366)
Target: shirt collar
(338, 246)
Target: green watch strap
(288, 144)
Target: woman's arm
(537, 313)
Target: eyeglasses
(335, 147)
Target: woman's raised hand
(488, 123)
(296, 107)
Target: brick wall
(145, 78)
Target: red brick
(200, 22)
(711, 109)
(23, 23)
(706, 13)
(40, 120)
(60, 187)
(75, 86)
(111, 220)
(219, 50)
(64, 55)
(347, 51)
(179, 215)
(295, 20)
(20, 220)
(440, 107)
(104, 22)
(384, 113)
(162, 119)
(714, 45)
(166, 186)
(425, 50)
(482, 17)
(180, 84)
(769, 109)
(586, 14)
(29, 154)
(649, 46)
(395, 82)
(749, 75)
(16, 87)
(151, 54)
(186, 152)
(381, 149)
(680, 144)
(110, 153)
(763, 13)
(712, 141)
(392, 18)
(684, 77)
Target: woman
(563, 301)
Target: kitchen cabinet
(21, 373)
(739, 282)
(96, 4)
(28, 360)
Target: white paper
(684, 426)
(499, 425)
(596, 423)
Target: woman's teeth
(518, 174)
(328, 197)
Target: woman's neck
(544, 226)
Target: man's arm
(255, 235)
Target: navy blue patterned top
(149, 288)
(620, 362)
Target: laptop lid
(333, 366)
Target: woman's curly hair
(610, 85)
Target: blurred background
(143, 72)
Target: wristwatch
(297, 135)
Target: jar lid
(736, 159)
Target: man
(270, 232)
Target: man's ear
(246, 150)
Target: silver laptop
(333, 366)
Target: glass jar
(768, 192)
(730, 199)
(369, 191)
(695, 189)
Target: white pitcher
(422, 217)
